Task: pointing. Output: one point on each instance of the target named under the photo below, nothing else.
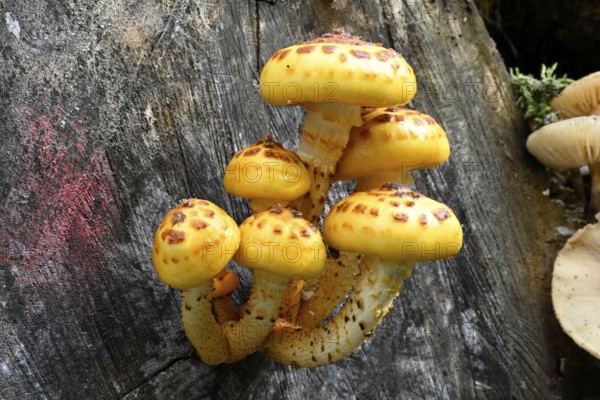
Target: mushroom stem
(374, 181)
(200, 326)
(258, 205)
(325, 133)
(578, 185)
(257, 316)
(290, 306)
(594, 205)
(329, 290)
(378, 285)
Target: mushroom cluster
(355, 128)
(574, 143)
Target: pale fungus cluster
(354, 128)
(572, 143)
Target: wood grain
(112, 111)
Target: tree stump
(113, 111)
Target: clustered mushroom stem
(594, 205)
(257, 315)
(290, 305)
(321, 147)
(578, 185)
(200, 326)
(379, 283)
(258, 205)
(329, 290)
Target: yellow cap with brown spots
(283, 243)
(266, 170)
(337, 68)
(394, 223)
(393, 139)
(193, 243)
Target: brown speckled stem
(377, 286)
(290, 306)
(200, 326)
(329, 290)
(257, 316)
(325, 133)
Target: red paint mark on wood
(69, 191)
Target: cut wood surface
(111, 111)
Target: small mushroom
(576, 288)
(223, 285)
(279, 246)
(332, 77)
(193, 244)
(571, 143)
(391, 144)
(267, 173)
(394, 227)
(580, 98)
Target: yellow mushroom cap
(569, 143)
(393, 139)
(224, 283)
(580, 98)
(393, 223)
(280, 241)
(193, 243)
(266, 170)
(337, 68)
(576, 288)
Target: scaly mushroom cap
(224, 283)
(193, 243)
(280, 241)
(337, 68)
(576, 288)
(393, 139)
(580, 98)
(565, 144)
(394, 223)
(266, 170)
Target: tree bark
(112, 111)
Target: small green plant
(534, 95)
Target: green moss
(534, 95)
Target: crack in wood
(166, 27)
(132, 392)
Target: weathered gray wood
(112, 111)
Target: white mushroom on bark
(569, 144)
(576, 288)
(580, 98)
